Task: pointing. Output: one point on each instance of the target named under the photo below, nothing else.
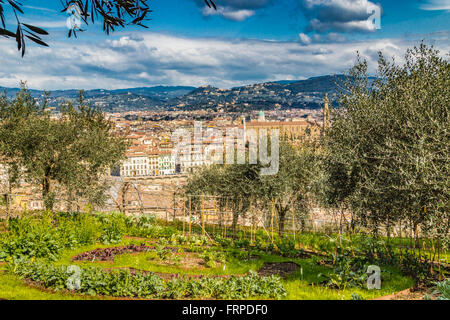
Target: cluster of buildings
(143, 162)
(152, 151)
(153, 162)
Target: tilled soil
(418, 292)
(282, 269)
(188, 261)
(108, 254)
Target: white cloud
(236, 10)
(436, 5)
(229, 13)
(363, 26)
(147, 59)
(304, 39)
(339, 15)
(40, 8)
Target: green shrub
(114, 226)
(242, 243)
(348, 271)
(443, 290)
(163, 253)
(79, 229)
(45, 235)
(212, 257)
(415, 266)
(35, 244)
(124, 283)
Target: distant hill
(262, 96)
(144, 98)
(162, 93)
(284, 94)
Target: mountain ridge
(279, 94)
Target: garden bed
(108, 254)
(168, 265)
(282, 269)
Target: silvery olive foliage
(388, 148)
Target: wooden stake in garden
(203, 215)
(190, 212)
(226, 217)
(271, 222)
(293, 219)
(184, 213)
(215, 215)
(174, 210)
(251, 227)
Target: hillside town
(152, 148)
(153, 164)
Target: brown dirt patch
(416, 293)
(108, 254)
(282, 269)
(188, 260)
(191, 261)
(397, 296)
(304, 254)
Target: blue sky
(245, 41)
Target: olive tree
(72, 150)
(388, 147)
(292, 187)
(234, 185)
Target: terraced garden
(92, 256)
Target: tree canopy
(73, 149)
(243, 185)
(388, 148)
(385, 158)
(235, 185)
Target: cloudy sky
(243, 42)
